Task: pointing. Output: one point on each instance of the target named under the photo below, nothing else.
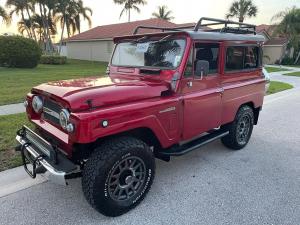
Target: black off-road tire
(233, 139)
(102, 167)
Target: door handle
(190, 84)
(220, 90)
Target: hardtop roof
(200, 35)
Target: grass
(275, 69)
(293, 65)
(16, 83)
(8, 127)
(295, 74)
(276, 86)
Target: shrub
(287, 61)
(53, 59)
(20, 52)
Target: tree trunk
(62, 35)
(297, 58)
(26, 28)
(31, 26)
(44, 28)
(129, 15)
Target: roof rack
(243, 28)
(163, 29)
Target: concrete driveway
(257, 185)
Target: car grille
(51, 111)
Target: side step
(195, 144)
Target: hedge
(53, 59)
(20, 52)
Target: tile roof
(277, 41)
(120, 29)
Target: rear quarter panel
(241, 88)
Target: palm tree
(289, 26)
(68, 14)
(163, 13)
(242, 9)
(5, 17)
(19, 8)
(130, 5)
(83, 11)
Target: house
(275, 48)
(97, 44)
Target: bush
(287, 61)
(53, 59)
(20, 52)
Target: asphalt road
(257, 185)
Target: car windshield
(163, 54)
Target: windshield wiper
(144, 38)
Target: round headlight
(37, 104)
(64, 116)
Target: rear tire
(118, 175)
(240, 129)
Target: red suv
(166, 94)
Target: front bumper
(38, 152)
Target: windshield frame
(154, 38)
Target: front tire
(240, 129)
(118, 175)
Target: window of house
(109, 47)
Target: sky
(106, 12)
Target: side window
(235, 58)
(189, 66)
(242, 58)
(251, 57)
(208, 52)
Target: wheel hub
(129, 180)
(126, 179)
(243, 129)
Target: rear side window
(242, 58)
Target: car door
(202, 94)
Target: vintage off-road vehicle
(167, 93)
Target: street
(257, 185)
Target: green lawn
(296, 74)
(16, 83)
(276, 86)
(275, 69)
(8, 127)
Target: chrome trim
(51, 112)
(168, 110)
(55, 176)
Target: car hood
(84, 93)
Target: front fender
(151, 114)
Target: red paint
(129, 100)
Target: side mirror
(202, 68)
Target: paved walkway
(12, 109)
(276, 76)
(279, 76)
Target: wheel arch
(147, 135)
